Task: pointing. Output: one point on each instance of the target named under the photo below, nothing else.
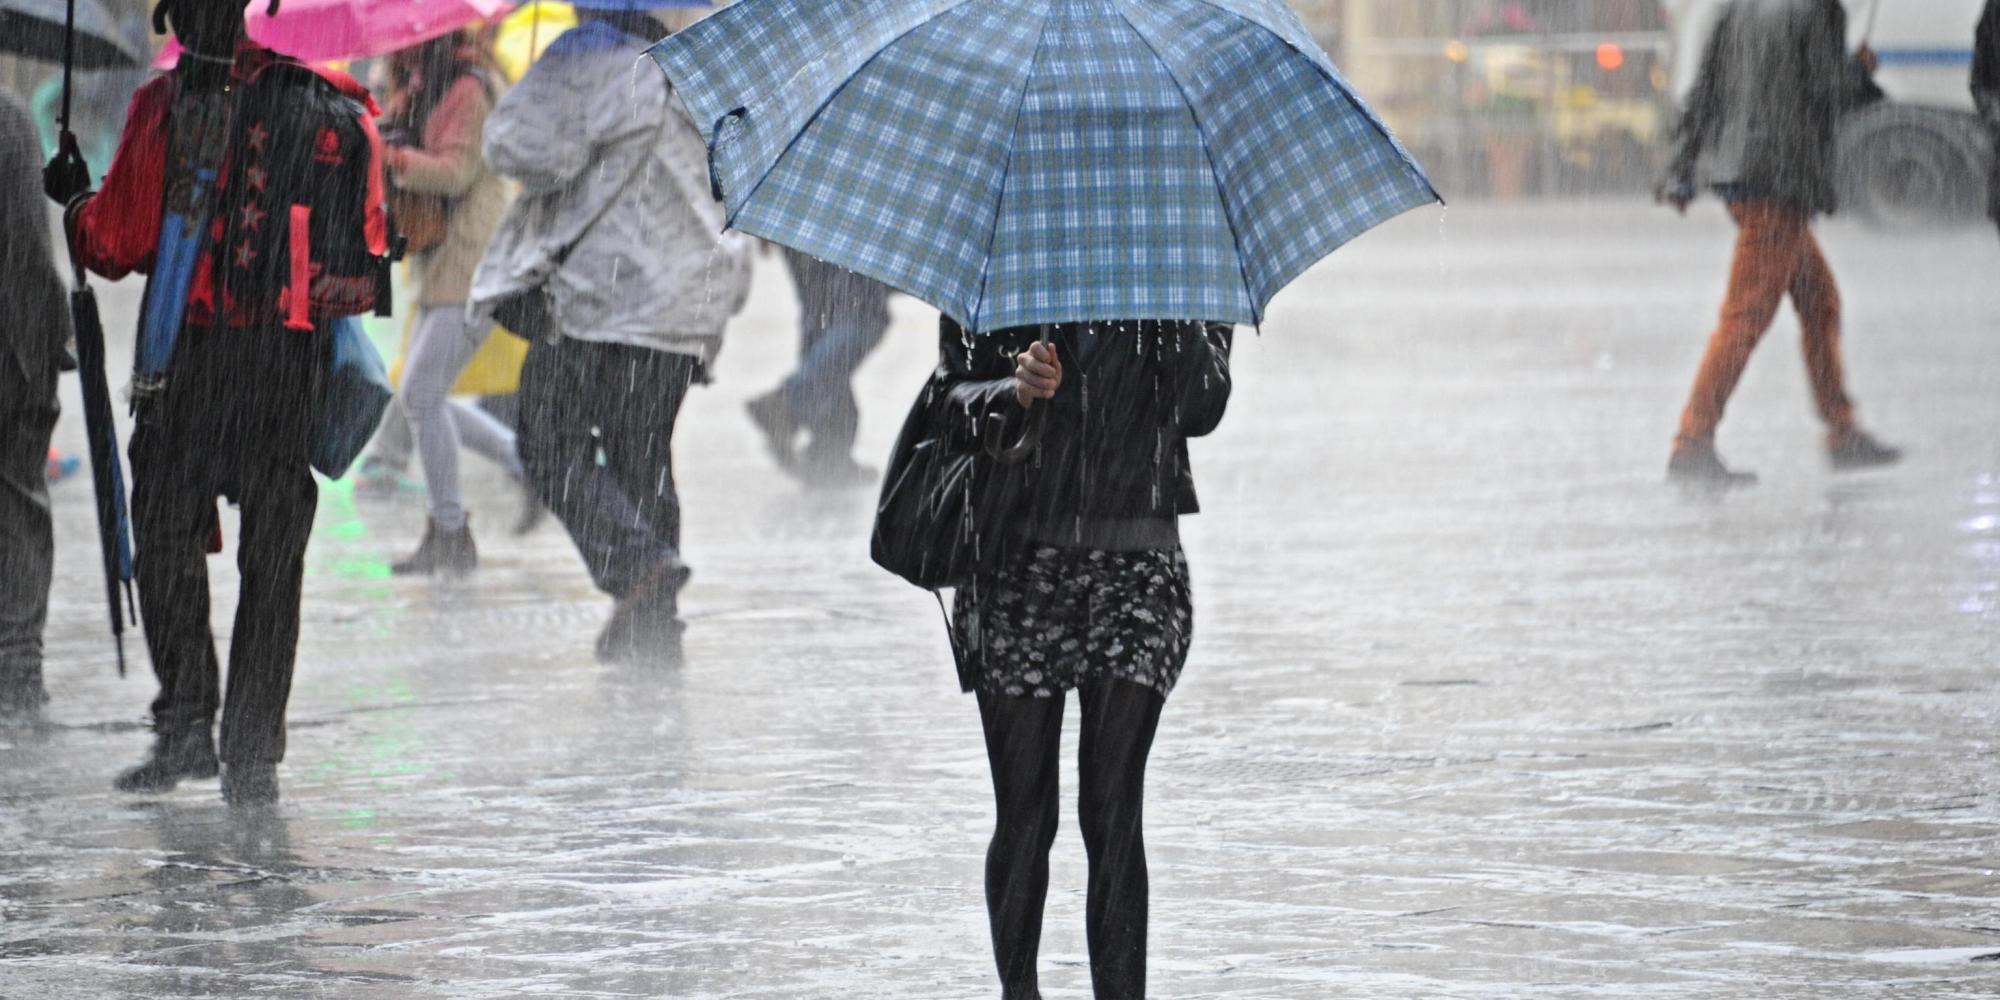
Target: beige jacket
(449, 163)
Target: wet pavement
(1477, 708)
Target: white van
(1918, 158)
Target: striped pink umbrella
(325, 30)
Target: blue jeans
(842, 316)
(438, 352)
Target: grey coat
(1775, 79)
(613, 174)
(34, 304)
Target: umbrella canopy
(526, 32)
(1015, 162)
(637, 4)
(34, 28)
(325, 30)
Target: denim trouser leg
(438, 353)
(843, 316)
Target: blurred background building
(1511, 99)
(1518, 98)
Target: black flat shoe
(1698, 467)
(646, 625)
(250, 784)
(174, 756)
(1859, 451)
(780, 430)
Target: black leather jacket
(1113, 443)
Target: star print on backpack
(303, 238)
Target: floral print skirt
(1058, 618)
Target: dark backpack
(296, 242)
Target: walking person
(842, 317)
(1759, 133)
(268, 173)
(443, 91)
(31, 349)
(616, 230)
(1093, 598)
(1986, 93)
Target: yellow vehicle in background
(1518, 97)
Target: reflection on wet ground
(1477, 708)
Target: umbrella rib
(793, 142)
(1013, 133)
(1214, 172)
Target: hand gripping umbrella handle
(1031, 435)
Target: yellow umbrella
(527, 31)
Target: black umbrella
(35, 28)
(107, 475)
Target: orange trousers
(1776, 255)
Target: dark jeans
(27, 538)
(1023, 748)
(236, 420)
(580, 398)
(842, 316)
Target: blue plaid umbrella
(1015, 162)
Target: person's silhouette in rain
(1758, 132)
(274, 171)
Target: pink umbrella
(325, 30)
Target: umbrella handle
(68, 141)
(1869, 25)
(1031, 435)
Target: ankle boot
(187, 754)
(448, 552)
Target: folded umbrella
(34, 28)
(1018, 162)
(114, 531)
(114, 526)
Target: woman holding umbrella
(1036, 168)
(1094, 598)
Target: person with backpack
(249, 188)
(31, 351)
(441, 93)
(619, 240)
(1758, 131)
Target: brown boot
(450, 553)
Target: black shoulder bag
(948, 509)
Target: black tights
(1023, 745)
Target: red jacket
(117, 230)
